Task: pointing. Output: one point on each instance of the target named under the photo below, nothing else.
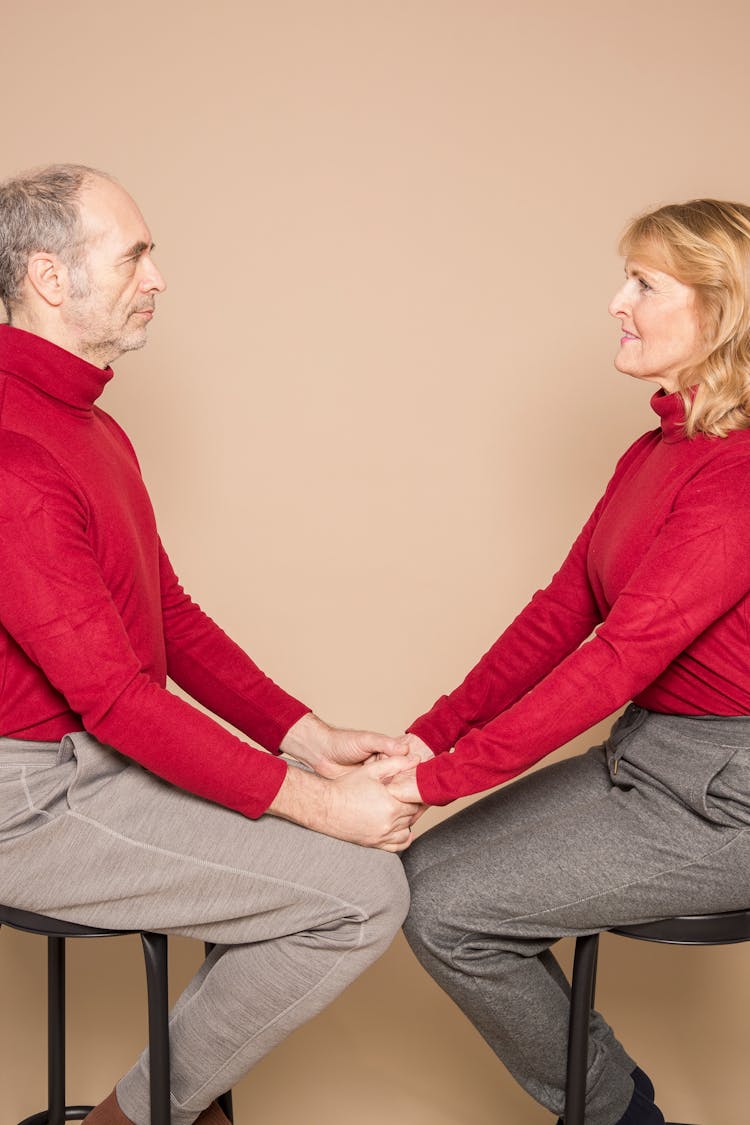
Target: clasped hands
(372, 776)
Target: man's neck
(56, 333)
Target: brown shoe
(107, 1112)
(212, 1116)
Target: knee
(395, 905)
(428, 928)
(387, 900)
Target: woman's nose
(620, 304)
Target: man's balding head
(40, 211)
(75, 261)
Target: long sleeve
(553, 624)
(556, 621)
(215, 671)
(675, 591)
(56, 606)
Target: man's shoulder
(28, 466)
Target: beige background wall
(377, 404)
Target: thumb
(381, 769)
(383, 744)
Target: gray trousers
(90, 837)
(653, 823)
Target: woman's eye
(643, 284)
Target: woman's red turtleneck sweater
(660, 573)
(92, 616)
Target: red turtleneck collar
(671, 411)
(51, 369)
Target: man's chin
(134, 340)
(104, 355)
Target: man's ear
(48, 276)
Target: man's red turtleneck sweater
(92, 616)
(660, 573)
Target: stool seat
(41, 924)
(728, 928)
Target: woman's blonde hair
(706, 244)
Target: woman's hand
(403, 786)
(416, 751)
(400, 777)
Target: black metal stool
(155, 954)
(700, 929)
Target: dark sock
(644, 1088)
(642, 1083)
(641, 1111)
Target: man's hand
(332, 752)
(356, 806)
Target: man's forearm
(303, 798)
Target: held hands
(402, 780)
(368, 813)
(365, 790)
(355, 806)
(404, 786)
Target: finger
(404, 843)
(400, 765)
(380, 768)
(405, 810)
(409, 810)
(382, 744)
(406, 792)
(403, 826)
(397, 842)
(395, 749)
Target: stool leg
(155, 954)
(56, 1029)
(225, 1101)
(581, 1002)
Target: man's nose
(152, 280)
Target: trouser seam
(30, 799)
(623, 886)
(213, 865)
(277, 1017)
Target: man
(121, 805)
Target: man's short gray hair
(39, 211)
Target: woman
(657, 820)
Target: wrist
(307, 740)
(303, 798)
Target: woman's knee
(429, 927)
